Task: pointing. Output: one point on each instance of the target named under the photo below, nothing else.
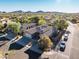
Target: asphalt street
(72, 45)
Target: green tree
(23, 19)
(45, 43)
(15, 19)
(42, 21)
(15, 27)
(74, 21)
(34, 19)
(1, 26)
(28, 20)
(61, 24)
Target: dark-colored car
(62, 46)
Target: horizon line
(37, 11)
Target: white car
(65, 37)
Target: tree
(15, 19)
(42, 21)
(61, 24)
(29, 20)
(74, 21)
(23, 19)
(1, 26)
(15, 27)
(45, 43)
(34, 19)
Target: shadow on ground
(32, 54)
(3, 41)
(15, 46)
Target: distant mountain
(40, 12)
(28, 12)
(19, 11)
(2, 12)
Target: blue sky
(35, 5)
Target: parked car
(67, 32)
(62, 46)
(65, 37)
